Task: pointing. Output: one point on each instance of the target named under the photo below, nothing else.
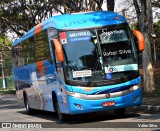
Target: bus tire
(120, 111)
(29, 111)
(61, 116)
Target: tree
(71, 6)
(5, 55)
(156, 3)
(110, 5)
(157, 39)
(145, 20)
(20, 15)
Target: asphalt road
(140, 119)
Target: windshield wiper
(93, 76)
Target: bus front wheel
(61, 116)
(28, 109)
(120, 111)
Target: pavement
(149, 103)
(8, 99)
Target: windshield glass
(81, 55)
(98, 54)
(118, 52)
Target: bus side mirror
(59, 50)
(140, 39)
(94, 39)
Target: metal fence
(9, 83)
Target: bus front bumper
(79, 105)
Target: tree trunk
(146, 55)
(145, 19)
(148, 75)
(110, 5)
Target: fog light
(78, 106)
(135, 99)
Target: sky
(121, 4)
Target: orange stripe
(40, 67)
(38, 29)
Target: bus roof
(77, 21)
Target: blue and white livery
(78, 63)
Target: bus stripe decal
(38, 29)
(40, 67)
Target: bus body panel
(39, 89)
(105, 89)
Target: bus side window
(54, 54)
(31, 50)
(25, 52)
(136, 43)
(139, 53)
(42, 50)
(14, 55)
(19, 60)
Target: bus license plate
(110, 103)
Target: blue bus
(78, 63)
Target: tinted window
(42, 50)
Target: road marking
(21, 117)
(31, 119)
(8, 110)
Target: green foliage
(6, 39)
(5, 55)
(19, 16)
(3, 92)
(134, 26)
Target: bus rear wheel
(61, 116)
(120, 111)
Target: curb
(148, 107)
(9, 98)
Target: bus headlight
(135, 87)
(74, 94)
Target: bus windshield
(110, 56)
(118, 52)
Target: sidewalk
(149, 103)
(8, 99)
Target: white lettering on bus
(110, 53)
(114, 53)
(107, 34)
(124, 52)
(77, 34)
